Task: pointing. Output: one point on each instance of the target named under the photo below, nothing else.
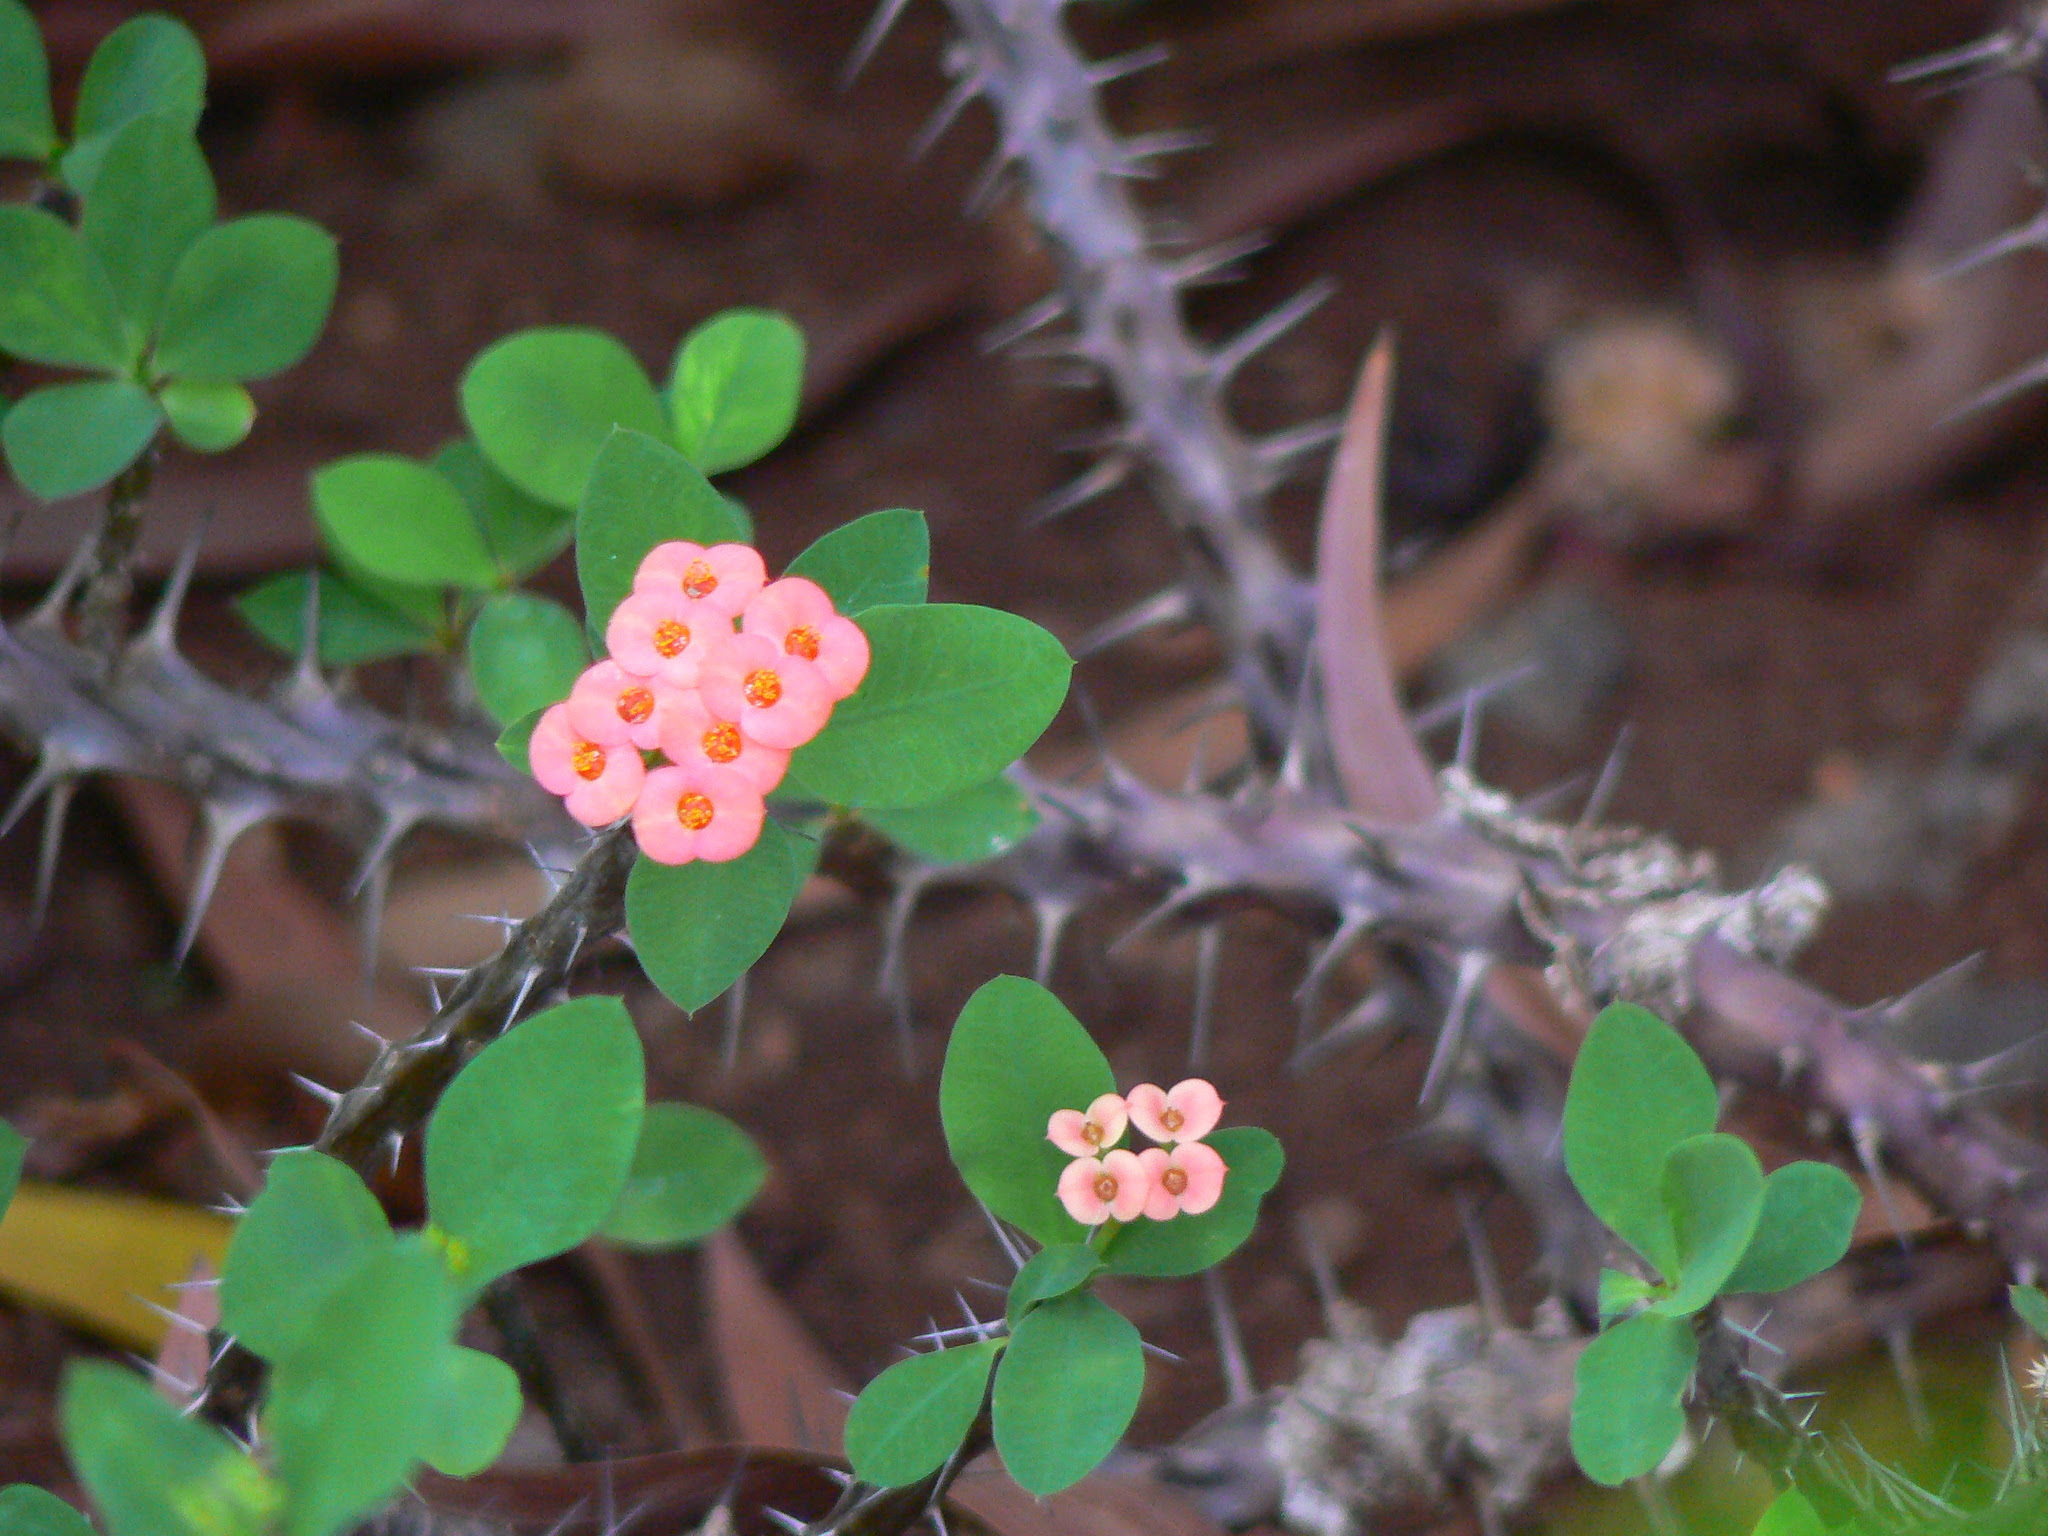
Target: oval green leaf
(1065, 1392)
(298, 1242)
(1714, 1191)
(640, 493)
(476, 1408)
(1625, 1412)
(150, 1470)
(2032, 1305)
(349, 1410)
(66, 439)
(27, 130)
(541, 403)
(152, 198)
(1790, 1514)
(1637, 1091)
(523, 534)
(913, 1416)
(56, 305)
(693, 1172)
(885, 557)
(516, 740)
(248, 299)
(13, 1149)
(355, 627)
(954, 694)
(525, 653)
(697, 927)
(733, 391)
(975, 824)
(1017, 1055)
(530, 1145)
(210, 418)
(150, 64)
(1049, 1273)
(27, 1511)
(400, 520)
(1187, 1245)
(1809, 1214)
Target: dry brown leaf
(186, 1352)
(780, 1390)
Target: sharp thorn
(1099, 481)
(161, 633)
(50, 770)
(735, 1017)
(1997, 394)
(1351, 924)
(1140, 147)
(1036, 318)
(1450, 1040)
(370, 918)
(1282, 454)
(49, 613)
(443, 972)
(519, 1000)
(307, 680)
(434, 993)
(224, 826)
(55, 810)
(390, 832)
(1051, 918)
(1898, 1343)
(871, 38)
(1187, 896)
(328, 1096)
(1260, 334)
(175, 1319)
(1003, 1239)
(1239, 1385)
(1467, 752)
(1172, 606)
(1208, 953)
(1485, 1272)
(1104, 71)
(1864, 1136)
(1609, 781)
(2032, 233)
(1215, 264)
(964, 90)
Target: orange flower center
(693, 810)
(1173, 1119)
(635, 705)
(762, 688)
(587, 760)
(801, 641)
(1091, 1133)
(699, 580)
(722, 743)
(670, 638)
(1174, 1181)
(1105, 1186)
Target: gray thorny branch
(1477, 883)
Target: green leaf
(885, 557)
(400, 520)
(516, 738)
(1017, 1055)
(640, 493)
(1809, 1214)
(476, 1407)
(523, 534)
(27, 130)
(733, 392)
(314, 1224)
(56, 305)
(1637, 1091)
(525, 653)
(1065, 1392)
(975, 824)
(693, 1172)
(1187, 1245)
(1626, 1414)
(1790, 1515)
(909, 1419)
(1051, 1273)
(152, 198)
(248, 299)
(66, 439)
(26, 1511)
(697, 927)
(1714, 1190)
(150, 64)
(541, 403)
(354, 626)
(151, 1471)
(530, 1145)
(211, 418)
(351, 1408)
(13, 1149)
(1620, 1292)
(954, 694)
(2032, 1305)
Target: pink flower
(724, 576)
(1093, 1191)
(695, 735)
(613, 707)
(798, 616)
(778, 700)
(662, 634)
(1090, 1132)
(597, 783)
(1188, 1111)
(1185, 1179)
(698, 811)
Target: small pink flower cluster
(724, 706)
(1161, 1182)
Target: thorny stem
(505, 1305)
(1760, 1419)
(103, 607)
(864, 1510)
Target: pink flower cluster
(1105, 1180)
(721, 671)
